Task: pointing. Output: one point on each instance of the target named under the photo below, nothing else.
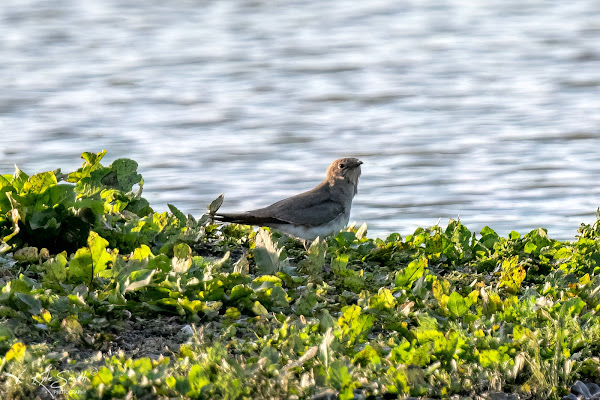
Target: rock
(571, 396)
(580, 389)
(594, 389)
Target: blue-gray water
(487, 110)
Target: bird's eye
(342, 165)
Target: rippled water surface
(485, 110)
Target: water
(485, 110)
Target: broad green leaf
(39, 183)
(441, 290)
(143, 281)
(33, 304)
(214, 206)
(353, 325)
(142, 252)
(19, 179)
(178, 214)
(93, 158)
(314, 263)
(126, 174)
(240, 291)
(197, 380)
(457, 305)
(104, 376)
(80, 266)
(514, 235)
(266, 254)
(16, 351)
(339, 263)
(56, 268)
(383, 300)
(73, 328)
(489, 358)
(339, 376)
(512, 274)
(100, 257)
(182, 258)
(366, 356)
(530, 247)
(259, 309)
(413, 271)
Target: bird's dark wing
(246, 218)
(312, 208)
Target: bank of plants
(93, 278)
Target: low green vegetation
(104, 298)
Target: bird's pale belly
(311, 232)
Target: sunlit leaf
(457, 304)
(182, 258)
(16, 351)
(214, 206)
(413, 271)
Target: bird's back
(310, 208)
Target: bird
(319, 212)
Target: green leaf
(530, 247)
(412, 272)
(93, 158)
(197, 380)
(383, 300)
(240, 291)
(339, 376)
(315, 261)
(39, 183)
(182, 258)
(266, 254)
(126, 174)
(16, 351)
(259, 309)
(80, 266)
(34, 306)
(144, 280)
(339, 263)
(19, 179)
(56, 268)
(100, 257)
(214, 206)
(457, 305)
(353, 325)
(142, 253)
(103, 376)
(178, 214)
(512, 274)
(489, 358)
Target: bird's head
(345, 170)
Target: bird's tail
(246, 219)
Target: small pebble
(187, 330)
